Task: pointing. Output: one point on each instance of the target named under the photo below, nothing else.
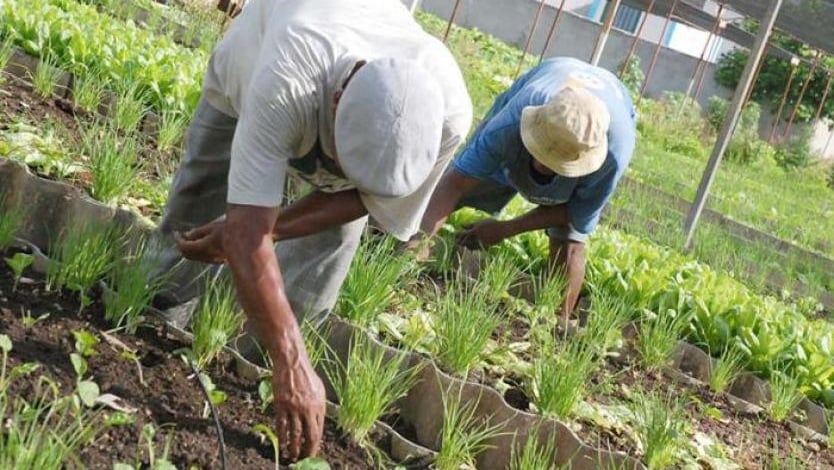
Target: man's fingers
(313, 429)
(283, 426)
(296, 434)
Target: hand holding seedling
(482, 235)
(299, 401)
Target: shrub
(795, 153)
(632, 76)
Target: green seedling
(559, 381)
(548, 290)
(368, 385)
(5, 348)
(130, 106)
(45, 78)
(785, 395)
(217, 321)
(87, 391)
(216, 396)
(81, 257)
(661, 425)
(727, 368)
(463, 434)
(658, 336)
(532, 455)
(113, 162)
(606, 321)
(44, 430)
(85, 342)
(498, 273)
(119, 418)
(266, 433)
(463, 323)
(368, 289)
(156, 462)
(18, 263)
(88, 91)
(134, 284)
(29, 321)
(265, 393)
(172, 125)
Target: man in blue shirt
(561, 136)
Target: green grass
(729, 365)
(113, 162)
(657, 338)
(88, 90)
(11, 219)
(559, 380)
(368, 385)
(785, 396)
(533, 455)
(45, 78)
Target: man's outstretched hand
(204, 243)
(299, 405)
(483, 235)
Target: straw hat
(569, 133)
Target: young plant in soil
(661, 424)
(367, 386)
(45, 78)
(216, 322)
(657, 338)
(559, 380)
(82, 256)
(132, 287)
(785, 395)
(463, 434)
(172, 125)
(18, 263)
(498, 274)
(548, 287)
(729, 365)
(532, 455)
(463, 322)
(113, 162)
(88, 90)
(130, 106)
(606, 321)
(368, 289)
(43, 430)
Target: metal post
(817, 58)
(701, 68)
(778, 116)
(607, 23)
(657, 52)
(451, 20)
(542, 3)
(633, 48)
(756, 53)
(552, 30)
(756, 76)
(824, 96)
(415, 4)
(700, 86)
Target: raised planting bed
(144, 386)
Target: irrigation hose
(214, 414)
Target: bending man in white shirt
(353, 97)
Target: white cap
(389, 123)
(569, 134)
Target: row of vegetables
(80, 39)
(776, 337)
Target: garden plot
(130, 394)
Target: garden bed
(149, 377)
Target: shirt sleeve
(270, 130)
(486, 152)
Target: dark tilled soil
(167, 395)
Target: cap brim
(587, 162)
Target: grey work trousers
(313, 267)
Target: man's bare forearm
(248, 244)
(316, 212)
(569, 257)
(451, 188)
(541, 217)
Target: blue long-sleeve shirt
(496, 151)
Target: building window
(627, 17)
